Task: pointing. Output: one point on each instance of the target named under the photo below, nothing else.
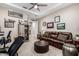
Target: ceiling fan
(35, 5)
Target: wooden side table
(76, 43)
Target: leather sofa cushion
(53, 40)
(67, 33)
(62, 37)
(53, 36)
(56, 33)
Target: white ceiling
(35, 14)
(42, 8)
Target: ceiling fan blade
(24, 7)
(31, 7)
(33, 3)
(42, 5)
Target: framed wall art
(61, 26)
(9, 23)
(57, 19)
(44, 23)
(15, 14)
(50, 25)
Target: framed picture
(61, 26)
(15, 14)
(57, 19)
(44, 23)
(9, 23)
(50, 25)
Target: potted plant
(77, 36)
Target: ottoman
(41, 46)
(69, 50)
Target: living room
(46, 29)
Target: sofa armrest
(39, 36)
(69, 41)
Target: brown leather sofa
(56, 39)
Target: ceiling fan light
(35, 6)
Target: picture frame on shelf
(50, 25)
(61, 26)
(44, 23)
(57, 19)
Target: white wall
(4, 14)
(68, 15)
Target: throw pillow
(53, 36)
(62, 37)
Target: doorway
(34, 29)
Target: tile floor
(27, 49)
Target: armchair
(4, 40)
